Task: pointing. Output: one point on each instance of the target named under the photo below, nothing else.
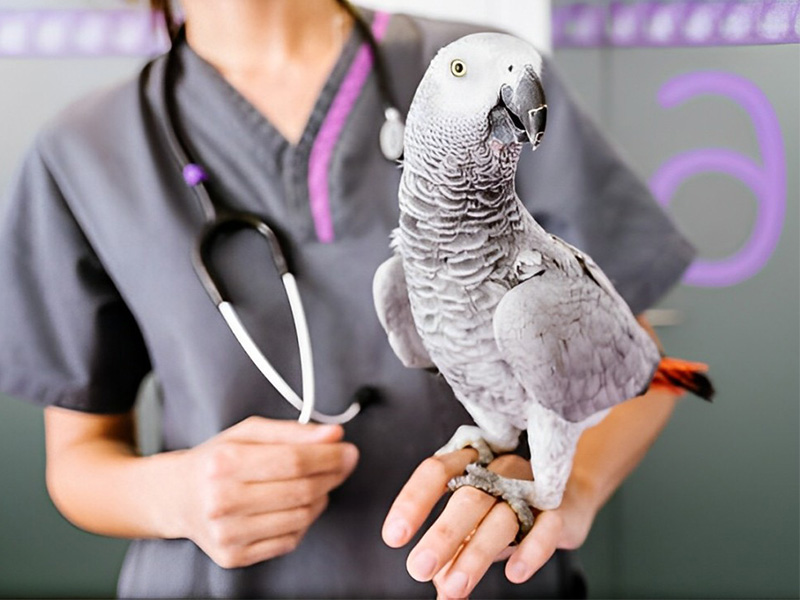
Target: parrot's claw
(511, 491)
(468, 437)
(485, 454)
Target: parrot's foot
(512, 491)
(468, 436)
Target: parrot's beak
(525, 110)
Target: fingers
(251, 462)
(421, 493)
(536, 548)
(495, 533)
(272, 522)
(239, 541)
(257, 487)
(465, 511)
(282, 495)
(470, 534)
(250, 499)
(465, 519)
(234, 558)
(240, 531)
(269, 431)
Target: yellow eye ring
(458, 68)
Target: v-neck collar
(223, 122)
(257, 122)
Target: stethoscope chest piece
(391, 135)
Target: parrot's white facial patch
(465, 77)
(471, 78)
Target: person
(280, 103)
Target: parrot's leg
(552, 440)
(468, 436)
(489, 438)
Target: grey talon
(495, 485)
(485, 454)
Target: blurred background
(703, 98)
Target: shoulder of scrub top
(107, 119)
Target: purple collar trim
(328, 136)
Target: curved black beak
(526, 108)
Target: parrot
(526, 329)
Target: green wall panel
(713, 510)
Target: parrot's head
(481, 90)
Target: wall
(40, 553)
(713, 510)
(529, 19)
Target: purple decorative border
(626, 24)
(87, 33)
(660, 23)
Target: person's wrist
(581, 503)
(169, 512)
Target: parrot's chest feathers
(454, 292)
(461, 255)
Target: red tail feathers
(676, 375)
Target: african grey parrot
(527, 330)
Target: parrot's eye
(458, 68)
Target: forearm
(246, 495)
(102, 485)
(607, 453)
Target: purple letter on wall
(768, 180)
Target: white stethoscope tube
(391, 143)
(305, 404)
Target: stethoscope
(220, 220)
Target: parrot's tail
(677, 375)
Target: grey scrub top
(97, 289)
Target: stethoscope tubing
(219, 220)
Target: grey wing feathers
(576, 348)
(589, 266)
(390, 295)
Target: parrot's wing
(572, 343)
(590, 268)
(394, 312)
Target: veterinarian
(278, 109)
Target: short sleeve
(578, 187)
(66, 336)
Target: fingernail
(457, 584)
(423, 566)
(395, 532)
(326, 430)
(518, 572)
(321, 433)
(350, 456)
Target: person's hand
(252, 491)
(474, 529)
